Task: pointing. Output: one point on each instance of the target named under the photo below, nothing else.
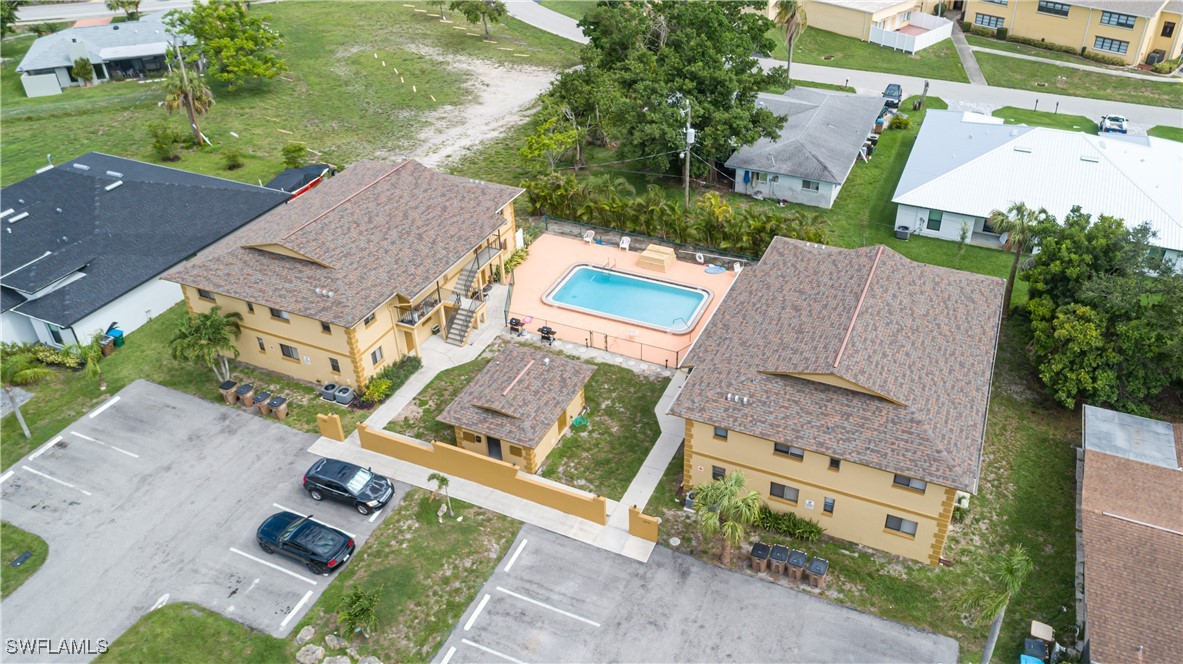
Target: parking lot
(153, 498)
(554, 599)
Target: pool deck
(552, 255)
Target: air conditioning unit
(1156, 57)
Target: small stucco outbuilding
(517, 408)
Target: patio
(551, 256)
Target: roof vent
(745, 401)
(44, 168)
(729, 395)
(82, 167)
(114, 174)
(113, 185)
(1022, 148)
(546, 361)
(115, 27)
(18, 217)
(6, 213)
(1089, 158)
(58, 210)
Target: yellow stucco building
(357, 273)
(849, 386)
(1132, 30)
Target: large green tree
(208, 339)
(480, 10)
(237, 44)
(8, 14)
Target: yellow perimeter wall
(530, 459)
(864, 496)
(499, 475)
(1080, 28)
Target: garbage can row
(778, 560)
(246, 395)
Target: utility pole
(188, 98)
(686, 165)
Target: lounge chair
(624, 243)
(738, 267)
(589, 236)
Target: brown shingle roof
(519, 395)
(375, 230)
(924, 338)
(1132, 517)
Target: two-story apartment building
(358, 272)
(1133, 30)
(849, 386)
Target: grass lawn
(418, 420)
(937, 61)
(1014, 115)
(1169, 133)
(67, 396)
(337, 98)
(14, 542)
(573, 8)
(1023, 49)
(1027, 496)
(1026, 75)
(186, 633)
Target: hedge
(1104, 59)
(1045, 45)
(787, 523)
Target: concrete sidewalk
(966, 53)
(532, 13)
(673, 429)
(1073, 65)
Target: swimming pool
(652, 303)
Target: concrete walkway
(966, 54)
(528, 11)
(673, 429)
(1073, 65)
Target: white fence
(938, 29)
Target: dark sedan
(322, 549)
(347, 483)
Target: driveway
(153, 498)
(557, 600)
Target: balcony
(918, 32)
(416, 314)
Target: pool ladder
(609, 265)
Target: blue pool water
(632, 299)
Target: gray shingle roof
(118, 239)
(375, 230)
(821, 138)
(519, 395)
(923, 337)
(49, 51)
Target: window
(376, 356)
(810, 185)
(995, 2)
(1111, 45)
(910, 483)
(784, 492)
(289, 351)
(368, 319)
(1168, 29)
(55, 333)
(934, 220)
(835, 464)
(900, 525)
(795, 452)
(761, 177)
(250, 307)
(514, 450)
(277, 313)
(1053, 8)
(718, 472)
(987, 21)
(262, 346)
(334, 365)
(326, 328)
(828, 506)
(205, 295)
(720, 432)
(1118, 20)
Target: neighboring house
(1131, 539)
(358, 272)
(116, 51)
(83, 244)
(906, 25)
(1137, 31)
(965, 165)
(849, 386)
(519, 406)
(822, 137)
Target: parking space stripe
(6, 476)
(295, 609)
(273, 566)
(514, 558)
(98, 411)
(54, 479)
(288, 509)
(548, 606)
(41, 450)
(448, 657)
(375, 515)
(117, 449)
(491, 651)
(475, 614)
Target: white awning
(135, 51)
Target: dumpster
(107, 344)
(278, 407)
(117, 335)
(227, 390)
(261, 398)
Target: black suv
(347, 483)
(893, 95)
(321, 548)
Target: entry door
(494, 447)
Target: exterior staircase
(461, 322)
(466, 282)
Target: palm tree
(21, 368)
(791, 15)
(441, 484)
(1018, 222)
(191, 94)
(1005, 573)
(806, 226)
(92, 353)
(722, 508)
(206, 339)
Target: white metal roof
(959, 165)
(133, 51)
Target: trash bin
(760, 553)
(118, 336)
(261, 399)
(795, 568)
(227, 390)
(278, 407)
(817, 572)
(779, 556)
(344, 395)
(246, 394)
(107, 344)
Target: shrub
(1168, 66)
(377, 390)
(966, 26)
(166, 141)
(899, 121)
(516, 258)
(53, 356)
(400, 372)
(1001, 33)
(980, 31)
(295, 155)
(232, 158)
(787, 523)
(1104, 59)
(960, 514)
(1039, 43)
(359, 610)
